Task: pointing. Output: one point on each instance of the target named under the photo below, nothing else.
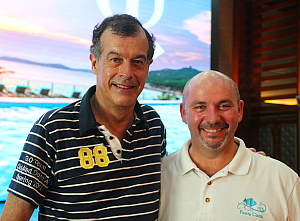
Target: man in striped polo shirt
(97, 158)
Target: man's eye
(115, 59)
(224, 107)
(200, 108)
(138, 62)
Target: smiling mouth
(123, 87)
(212, 130)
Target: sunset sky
(60, 31)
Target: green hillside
(171, 79)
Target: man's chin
(214, 147)
(126, 102)
(212, 144)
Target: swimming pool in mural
(16, 120)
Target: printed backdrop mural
(60, 31)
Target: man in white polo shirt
(214, 176)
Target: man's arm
(16, 209)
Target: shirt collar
(239, 165)
(140, 117)
(186, 163)
(87, 119)
(241, 162)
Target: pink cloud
(16, 25)
(44, 49)
(200, 25)
(169, 40)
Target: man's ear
(240, 110)
(94, 63)
(183, 113)
(149, 63)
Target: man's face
(212, 112)
(122, 69)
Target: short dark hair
(123, 25)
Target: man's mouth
(123, 86)
(212, 130)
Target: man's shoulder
(272, 165)
(148, 114)
(147, 109)
(173, 155)
(175, 158)
(64, 112)
(171, 159)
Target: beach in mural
(61, 82)
(27, 33)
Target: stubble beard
(213, 145)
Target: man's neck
(116, 120)
(215, 161)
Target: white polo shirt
(250, 187)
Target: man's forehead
(211, 92)
(211, 100)
(109, 38)
(110, 32)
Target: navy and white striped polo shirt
(67, 167)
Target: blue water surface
(16, 120)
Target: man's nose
(212, 115)
(125, 70)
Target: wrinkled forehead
(111, 40)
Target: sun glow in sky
(12, 24)
(60, 31)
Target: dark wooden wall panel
(266, 66)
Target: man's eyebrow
(198, 102)
(113, 53)
(225, 101)
(141, 56)
(118, 54)
(220, 102)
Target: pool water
(16, 120)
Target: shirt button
(111, 137)
(118, 151)
(207, 200)
(209, 183)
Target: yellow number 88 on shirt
(89, 158)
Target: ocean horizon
(60, 81)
